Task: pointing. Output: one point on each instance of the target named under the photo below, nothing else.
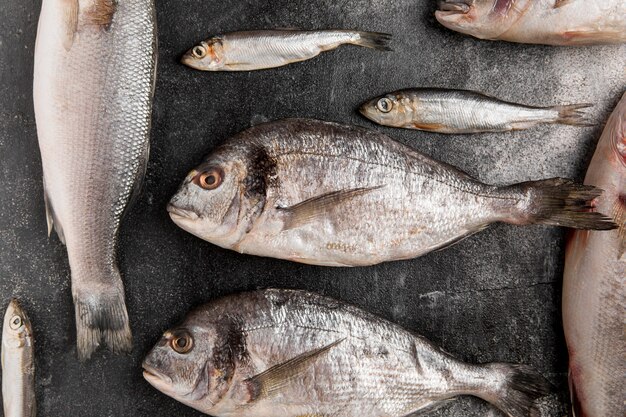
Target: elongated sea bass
(94, 80)
(286, 353)
(18, 363)
(262, 49)
(550, 22)
(459, 111)
(594, 288)
(328, 194)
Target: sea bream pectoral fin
(277, 377)
(317, 207)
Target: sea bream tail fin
(374, 40)
(275, 378)
(101, 316)
(573, 115)
(556, 202)
(515, 389)
(51, 220)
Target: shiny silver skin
(460, 111)
(549, 22)
(287, 353)
(262, 49)
(94, 81)
(594, 287)
(18, 363)
(328, 194)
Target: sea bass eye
(210, 179)
(384, 105)
(15, 323)
(182, 342)
(199, 51)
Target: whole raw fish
(459, 111)
(286, 353)
(94, 81)
(594, 287)
(550, 22)
(261, 49)
(328, 194)
(18, 363)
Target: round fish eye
(182, 342)
(211, 179)
(384, 105)
(199, 51)
(16, 322)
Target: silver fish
(594, 287)
(549, 22)
(460, 111)
(328, 194)
(262, 49)
(94, 80)
(286, 353)
(18, 363)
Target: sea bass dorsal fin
(51, 219)
(70, 22)
(275, 378)
(316, 207)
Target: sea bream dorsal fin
(278, 376)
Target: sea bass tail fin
(516, 389)
(374, 40)
(101, 319)
(573, 115)
(558, 202)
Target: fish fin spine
(557, 202)
(573, 114)
(374, 40)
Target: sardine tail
(517, 389)
(101, 318)
(374, 40)
(558, 202)
(574, 115)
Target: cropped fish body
(550, 22)
(286, 353)
(262, 49)
(18, 363)
(328, 194)
(461, 111)
(594, 286)
(94, 79)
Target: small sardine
(328, 194)
(287, 353)
(594, 287)
(262, 49)
(461, 111)
(549, 22)
(18, 363)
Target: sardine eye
(211, 179)
(384, 105)
(199, 51)
(182, 342)
(15, 323)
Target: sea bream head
(484, 19)
(208, 55)
(17, 331)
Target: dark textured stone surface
(493, 297)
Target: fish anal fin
(316, 207)
(429, 127)
(101, 13)
(70, 17)
(277, 377)
(51, 220)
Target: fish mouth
(177, 213)
(192, 62)
(155, 378)
(452, 7)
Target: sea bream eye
(199, 51)
(210, 179)
(182, 342)
(384, 105)
(15, 323)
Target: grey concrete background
(492, 297)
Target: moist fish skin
(594, 286)
(290, 353)
(95, 64)
(18, 363)
(460, 111)
(262, 49)
(328, 194)
(548, 22)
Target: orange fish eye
(182, 342)
(209, 179)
